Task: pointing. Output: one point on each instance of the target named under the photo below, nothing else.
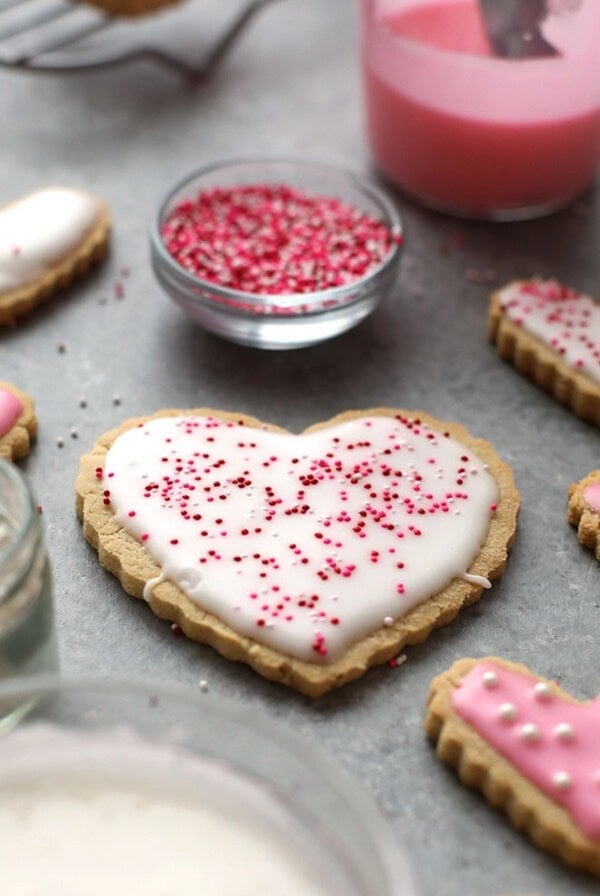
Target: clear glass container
(469, 132)
(27, 635)
(278, 321)
(137, 732)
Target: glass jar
(473, 133)
(27, 636)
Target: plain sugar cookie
(311, 557)
(48, 239)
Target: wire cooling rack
(61, 36)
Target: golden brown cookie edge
(129, 8)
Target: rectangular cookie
(551, 334)
(529, 747)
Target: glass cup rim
(362, 184)
(361, 803)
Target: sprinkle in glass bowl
(276, 254)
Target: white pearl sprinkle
(562, 780)
(530, 732)
(564, 732)
(542, 691)
(203, 685)
(507, 712)
(388, 620)
(490, 679)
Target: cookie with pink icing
(584, 510)
(551, 333)
(311, 557)
(532, 749)
(18, 423)
(48, 239)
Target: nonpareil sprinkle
(275, 239)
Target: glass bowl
(285, 320)
(135, 731)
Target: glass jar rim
(27, 518)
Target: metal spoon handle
(513, 27)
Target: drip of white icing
(39, 229)
(476, 580)
(306, 542)
(151, 585)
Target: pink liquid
(478, 156)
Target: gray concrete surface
(291, 87)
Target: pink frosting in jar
(552, 741)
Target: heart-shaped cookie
(310, 557)
(18, 423)
(532, 750)
(584, 510)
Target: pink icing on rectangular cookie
(553, 742)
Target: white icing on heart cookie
(566, 320)
(40, 229)
(304, 543)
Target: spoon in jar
(513, 28)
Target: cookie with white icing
(18, 424)
(310, 557)
(48, 239)
(551, 334)
(529, 747)
(584, 510)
